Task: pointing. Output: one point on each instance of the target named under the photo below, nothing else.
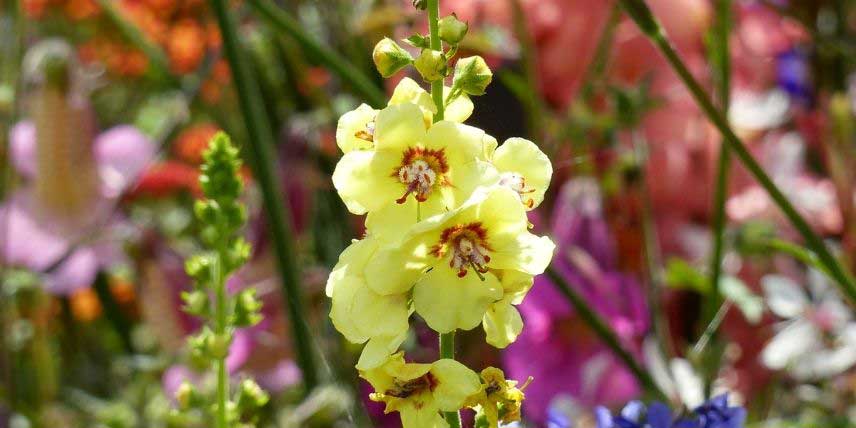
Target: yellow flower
(438, 167)
(362, 315)
(524, 168)
(502, 322)
(420, 391)
(452, 260)
(355, 130)
(499, 400)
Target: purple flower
(54, 235)
(571, 361)
(715, 413)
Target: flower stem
(281, 20)
(447, 350)
(437, 45)
(713, 309)
(220, 327)
(260, 154)
(644, 19)
(606, 334)
(447, 340)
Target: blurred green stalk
(261, 156)
(644, 19)
(606, 334)
(281, 20)
(713, 311)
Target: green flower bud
(186, 396)
(472, 75)
(218, 345)
(251, 396)
(247, 307)
(452, 30)
(431, 65)
(389, 57)
(195, 303)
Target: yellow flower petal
(455, 383)
(425, 415)
(527, 253)
(460, 109)
(378, 350)
(525, 169)
(360, 183)
(448, 303)
(399, 126)
(355, 128)
(502, 324)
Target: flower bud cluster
(221, 216)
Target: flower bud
(472, 75)
(452, 30)
(431, 65)
(389, 57)
(247, 307)
(185, 396)
(195, 303)
(251, 396)
(218, 345)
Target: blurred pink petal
(122, 153)
(22, 140)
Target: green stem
(447, 350)
(447, 340)
(606, 334)
(713, 309)
(437, 45)
(280, 19)
(220, 329)
(260, 154)
(644, 19)
(153, 52)
(534, 106)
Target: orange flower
(84, 305)
(186, 46)
(190, 144)
(79, 10)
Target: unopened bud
(472, 75)
(251, 396)
(195, 303)
(452, 30)
(431, 65)
(185, 396)
(389, 57)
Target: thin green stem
(447, 340)
(220, 329)
(281, 20)
(601, 54)
(606, 334)
(260, 154)
(447, 350)
(534, 106)
(644, 19)
(157, 58)
(721, 61)
(437, 45)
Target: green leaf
(749, 303)
(418, 41)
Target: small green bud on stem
(431, 65)
(452, 30)
(389, 57)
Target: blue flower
(794, 75)
(715, 413)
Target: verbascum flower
(361, 314)
(420, 391)
(411, 170)
(498, 401)
(524, 168)
(452, 260)
(355, 130)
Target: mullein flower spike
(447, 234)
(221, 216)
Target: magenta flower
(61, 222)
(571, 362)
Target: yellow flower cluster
(447, 237)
